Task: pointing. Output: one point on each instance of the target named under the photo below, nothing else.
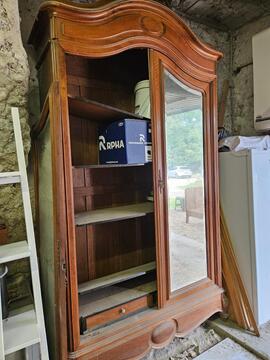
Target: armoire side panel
(46, 235)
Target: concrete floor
(259, 346)
(227, 350)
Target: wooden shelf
(20, 331)
(113, 214)
(110, 297)
(85, 108)
(116, 278)
(108, 166)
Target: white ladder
(27, 328)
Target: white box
(245, 199)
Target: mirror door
(183, 123)
(181, 165)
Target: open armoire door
(126, 189)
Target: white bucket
(142, 99)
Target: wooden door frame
(159, 62)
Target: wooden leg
(187, 217)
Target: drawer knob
(122, 311)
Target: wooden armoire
(129, 252)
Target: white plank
(114, 213)
(32, 352)
(110, 297)
(116, 277)
(14, 251)
(10, 177)
(20, 331)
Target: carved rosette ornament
(152, 26)
(163, 333)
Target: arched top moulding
(109, 27)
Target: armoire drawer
(116, 313)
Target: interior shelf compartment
(116, 277)
(113, 214)
(112, 296)
(85, 108)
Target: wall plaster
(13, 92)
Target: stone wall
(242, 77)
(219, 40)
(13, 92)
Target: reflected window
(185, 183)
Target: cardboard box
(125, 142)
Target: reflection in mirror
(185, 183)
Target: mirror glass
(185, 183)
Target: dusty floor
(257, 345)
(187, 348)
(227, 350)
(217, 340)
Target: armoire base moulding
(151, 330)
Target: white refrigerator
(245, 198)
